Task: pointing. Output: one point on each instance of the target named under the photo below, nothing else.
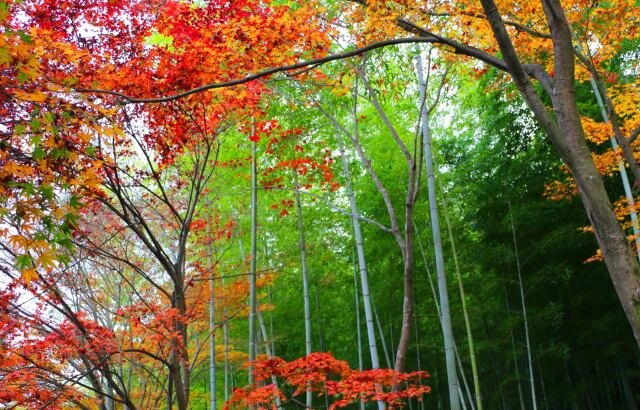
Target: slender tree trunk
(501, 392)
(467, 321)
(252, 273)
(610, 116)
(362, 263)
(273, 342)
(267, 349)
(180, 364)
(437, 242)
(437, 305)
(129, 371)
(383, 341)
(513, 349)
(461, 398)
(323, 348)
(170, 392)
(534, 400)
(212, 344)
(404, 238)
(225, 335)
(305, 281)
(212, 328)
(321, 337)
(358, 331)
(109, 403)
(464, 377)
(393, 349)
(357, 233)
(417, 333)
(259, 341)
(439, 396)
(542, 385)
(407, 274)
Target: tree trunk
(513, 349)
(225, 335)
(179, 361)
(383, 340)
(273, 342)
(305, 280)
(542, 385)
(253, 255)
(393, 348)
(357, 233)
(467, 321)
(418, 356)
(323, 348)
(463, 375)
(437, 305)
(358, 331)
(463, 404)
(404, 239)
(362, 263)
(321, 337)
(437, 243)
(534, 400)
(567, 134)
(212, 328)
(267, 349)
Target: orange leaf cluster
(324, 374)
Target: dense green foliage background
(492, 167)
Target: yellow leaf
(28, 275)
(47, 260)
(19, 241)
(36, 96)
(59, 212)
(5, 57)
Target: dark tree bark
(566, 133)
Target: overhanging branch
(127, 99)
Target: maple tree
(110, 182)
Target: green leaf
(47, 192)
(23, 261)
(22, 77)
(38, 154)
(158, 39)
(28, 188)
(25, 37)
(74, 202)
(35, 123)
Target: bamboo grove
(319, 204)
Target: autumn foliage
(326, 376)
(108, 143)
